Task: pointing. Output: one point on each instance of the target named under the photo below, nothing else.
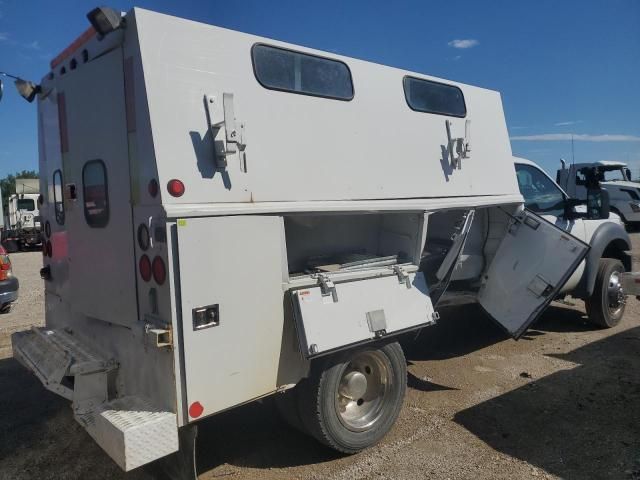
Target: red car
(8, 282)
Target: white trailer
(233, 217)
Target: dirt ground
(563, 402)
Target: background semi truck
(23, 227)
(615, 177)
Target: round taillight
(47, 229)
(153, 187)
(143, 237)
(145, 268)
(159, 272)
(175, 188)
(49, 248)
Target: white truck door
(532, 263)
(231, 274)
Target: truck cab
(24, 229)
(597, 280)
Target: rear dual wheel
(350, 401)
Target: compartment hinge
(327, 286)
(403, 276)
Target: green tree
(8, 184)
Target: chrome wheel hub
(364, 387)
(615, 295)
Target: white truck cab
(597, 279)
(24, 225)
(615, 177)
(234, 217)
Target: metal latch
(228, 138)
(403, 276)
(461, 146)
(327, 287)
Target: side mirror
(569, 208)
(1, 89)
(598, 206)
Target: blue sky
(563, 67)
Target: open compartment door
(445, 271)
(532, 263)
(331, 317)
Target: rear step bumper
(130, 429)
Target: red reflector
(196, 409)
(153, 187)
(145, 268)
(175, 187)
(49, 248)
(159, 272)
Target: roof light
(145, 268)
(105, 20)
(175, 188)
(159, 271)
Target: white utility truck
(23, 228)
(229, 217)
(615, 177)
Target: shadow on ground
(590, 411)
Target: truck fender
(610, 240)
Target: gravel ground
(563, 402)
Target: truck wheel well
(617, 212)
(617, 249)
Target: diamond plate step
(132, 431)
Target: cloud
(4, 36)
(33, 45)
(565, 124)
(463, 43)
(563, 137)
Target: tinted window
(58, 202)
(540, 194)
(26, 204)
(96, 193)
(280, 69)
(433, 97)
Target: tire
(606, 305)
(352, 400)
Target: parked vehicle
(232, 223)
(598, 278)
(24, 228)
(9, 284)
(615, 177)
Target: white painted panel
(533, 261)
(325, 324)
(236, 263)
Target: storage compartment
(331, 243)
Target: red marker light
(145, 268)
(195, 410)
(175, 188)
(159, 272)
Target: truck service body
(230, 216)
